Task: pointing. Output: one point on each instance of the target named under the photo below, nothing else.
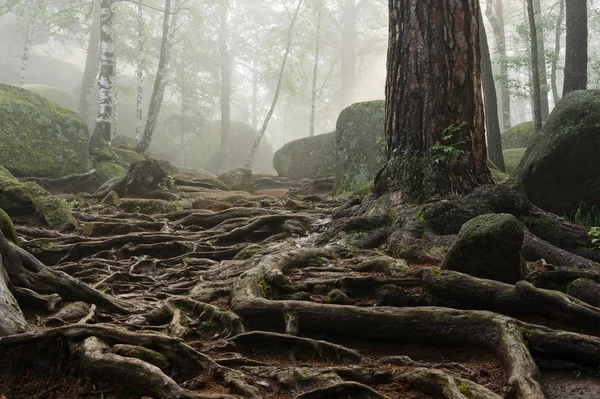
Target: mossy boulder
(40, 138)
(512, 158)
(489, 246)
(561, 169)
(106, 171)
(128, 156)
(518, 136)
(239, 179)
(585, 290)
(63, 98)
(148, 206)
(55, 212)
(359, 145)
(16, 194)
(7, 227)
(307, 158)
(110, 199)
(122, 141)
(497, 175)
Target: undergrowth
(584, 216)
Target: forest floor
(241, 299)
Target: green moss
(55, 212)
(15, 194)
(518, 136)
(7, 227)
(40, 138)
(110, 199)
(108, 170)
(512, 158)
(61, 97)
(464, 389)
(527, 334)
(309, 157)
(128, 156)
(148, 206)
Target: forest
(308, 199)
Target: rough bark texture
(139, 125)
(557, 34)
(545, 108)
(537, 101)
(425, 100)
(576, 57)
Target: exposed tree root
(342, 390)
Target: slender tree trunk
(115, 88)
(255, 93)
(576, 57)
(160, 84)
(537, 109)
(225, 84)
(433, 90)
(313, 101)
(545, 108)
(348, 54)
(494, 141)
(26, 51)
(497, 21)
(101, 135)
(91, 122)
(90, 72)
(140, 75)
(263, 129)
(558, 31)
(183, 124)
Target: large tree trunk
(348, 53)
(160, 84)
(558, 31)
(263, 129)
(427, 101)
(313, 100)
(225, 84)
(576, 46)
(537, 108)
(545, 108)
(497, 21)
(494, 141)
(139, 125)
(91, 63)
(101, 135)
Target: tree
(576, 58)
(225, 82)
(556, 55)
(537, 106)
(140, 73)
(434, 114)
(494, 141)
(91, 62)
(541, 55)
(313, 99)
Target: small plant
(594, 235)
(446, 150)
(168, 183)
(584, 217)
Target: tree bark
(313, 101)
(576, 57)
(101, 136)
(160, 84)
(263, 129)
(140, 75)
(497, 21)
(541, 60)
(115, 88)
(537, 108)
(91, 63)
(558, 31)
(225, 83)
(494, 140)
(433, 90)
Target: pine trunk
(492, 124)
(160, 83)
(263, 129)
(101, 135)
(576, 58)
(225, 84)
(90, 72)
(313, 101)
(558, 31)
(140, 75)
(433, 90)
(537, 108)
(539, 29)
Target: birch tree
(90, 71)
(140, 73)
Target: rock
(15, 194)
(209, 204)
(63, 98)
(359, 145)
(55, 212)
(497, 175)
(488, 246)
(148, 206)
(238, 180)
(123, 142)
(518, 136)
(337, 297)
(38, 137)
(146, 176)
(585, 290)
(128, 156)
(7, 227)
(110, 199)
(561, 169)
(295, 205)
(307, 158)
(512, 158)
(106, 171)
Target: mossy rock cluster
(106, 171)
(63, 98)
(561, 168)
(239, 179)
(148, 206)
(55, 212)
(359, 145)
(15, 194)
(307, 158)
(40, 138)
(489, 246)
(518, 136)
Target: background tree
(576, 57)
(434, 115)
(225, 81)
(537, 98)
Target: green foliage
(585, 217)
(594, 234)
(168, 183)
(446, 151)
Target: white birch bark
(26, 50)
(140, 75)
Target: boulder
(359, 145)
(7, 227)
(63, 98)
(307, 158)
(518, 136)
(238, 180)
(585, 290)
(561, 169)
(148, 206)
(55, 212)
(489, 246)
(40, 138)
(15, 194)
(106, 171)
(512, 158)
